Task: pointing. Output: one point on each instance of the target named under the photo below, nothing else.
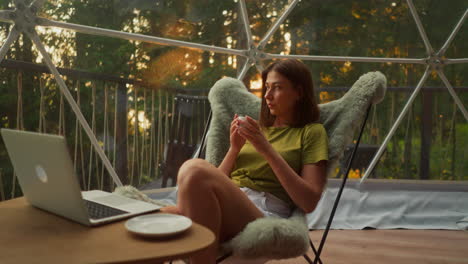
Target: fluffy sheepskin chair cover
(271, 237)
(276, 238)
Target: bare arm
(305, 189)
(228, 162)
(236, 141)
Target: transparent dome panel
(156, 65)
(458, 48)
(349, 28)
(195, 21)
(456, 74)
(186, 68)
(263, 14)
(8, 5)
(439, 20)
(133, 92)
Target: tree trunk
(426, 131)
(121, 162)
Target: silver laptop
(45, 172)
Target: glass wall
(150, 75)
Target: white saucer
(158, 225)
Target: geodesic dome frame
(24, 20)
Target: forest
(133, 93)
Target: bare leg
(171, 210)
(208, 197)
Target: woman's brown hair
(306, 108)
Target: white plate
(158, 225)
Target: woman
(272, 165)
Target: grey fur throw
(227, 97)
(276, 238)
(341, 117)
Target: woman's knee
(193, 171)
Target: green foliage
(371, 28)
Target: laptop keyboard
(99, 211)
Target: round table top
(31, 235)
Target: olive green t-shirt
(297, 145)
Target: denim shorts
(267, 203)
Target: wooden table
(31, 235)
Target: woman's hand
(173, 209)
(251, 131)
(236, 140)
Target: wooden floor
(389, 247)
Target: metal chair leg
(223, 257)
(308, 259)
(343, 183)
(315, 252)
